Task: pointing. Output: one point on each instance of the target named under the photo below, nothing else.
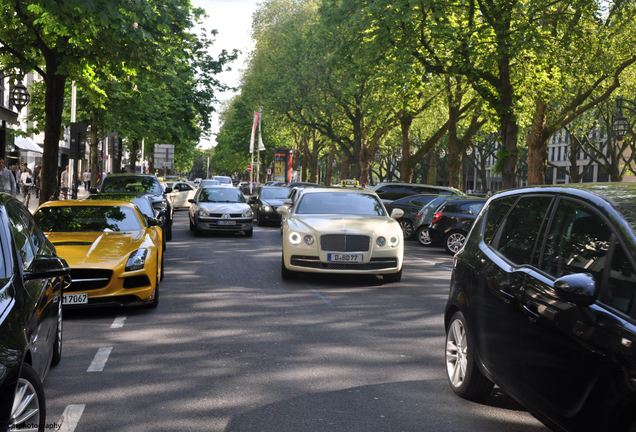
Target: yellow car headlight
(137, 260)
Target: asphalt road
(232, 347)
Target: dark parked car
(32, 278)
(542, 304)
(393, 191)
(452, 221)
(146, 184)
(265, 203)
(411, 205)
(424, 217)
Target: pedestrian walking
(64, 182)
(86, 178)
(7, 180)
(26, 181)
(37, 180)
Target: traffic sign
(164, 156)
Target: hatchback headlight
(248, 213)
(137, 260)
(266, 208)
(203, 213)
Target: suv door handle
(532, 315)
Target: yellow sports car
(115, 253)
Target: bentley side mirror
(191, 201)
(577, 288)
(397, 213)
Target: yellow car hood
(95, 249)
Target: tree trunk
(93, 163)
(453, 158)
(53, 105)
(135, 147)
(432, 168)
(508, 122)
(405, 165)
(365, 165)
(329, 171)
(345, 166)
(537, 145)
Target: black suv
(147, 184)
(542, 303)
(452, 221)
(31, 285)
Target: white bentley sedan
(341, 231)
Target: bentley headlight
(380, 241)
(137, 260)
(295, 238)
(308, 239)
(393, 241)
(266, 209)
(248, 213)
(203, 213)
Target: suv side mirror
(577, 288)
(46, 267)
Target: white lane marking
(118, 322)
(70, 417)
(100, 359)
(324, 299)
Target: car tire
(407, 228)
(155, 301)
(463, 374)
(29, 386)
(249, 232)
(59, 330)
(423, 237)
(454, 241)
(191, 224)
(393, 277)
(285, 273)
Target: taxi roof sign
(350, 183)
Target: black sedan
(543, 304)
(265, 203)
(411, 205)
(30, 316)
(452, 222)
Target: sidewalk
(34, 202)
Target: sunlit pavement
(232, 347)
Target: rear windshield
(87, 219)
(340, 203)
(135, 184)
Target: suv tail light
(436, 217)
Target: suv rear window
(132, 184)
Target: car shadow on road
(397, 406)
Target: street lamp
(19, 96)
(620, 126)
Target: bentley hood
(343, 223)
(95, 249)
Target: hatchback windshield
(223, 179)
(221, 195)
(132, 184)
(274, 193)
(87, 219)
(340, 203)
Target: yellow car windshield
(87, 219)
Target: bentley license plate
(71, 299)
(344, 258)
(229, 222)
